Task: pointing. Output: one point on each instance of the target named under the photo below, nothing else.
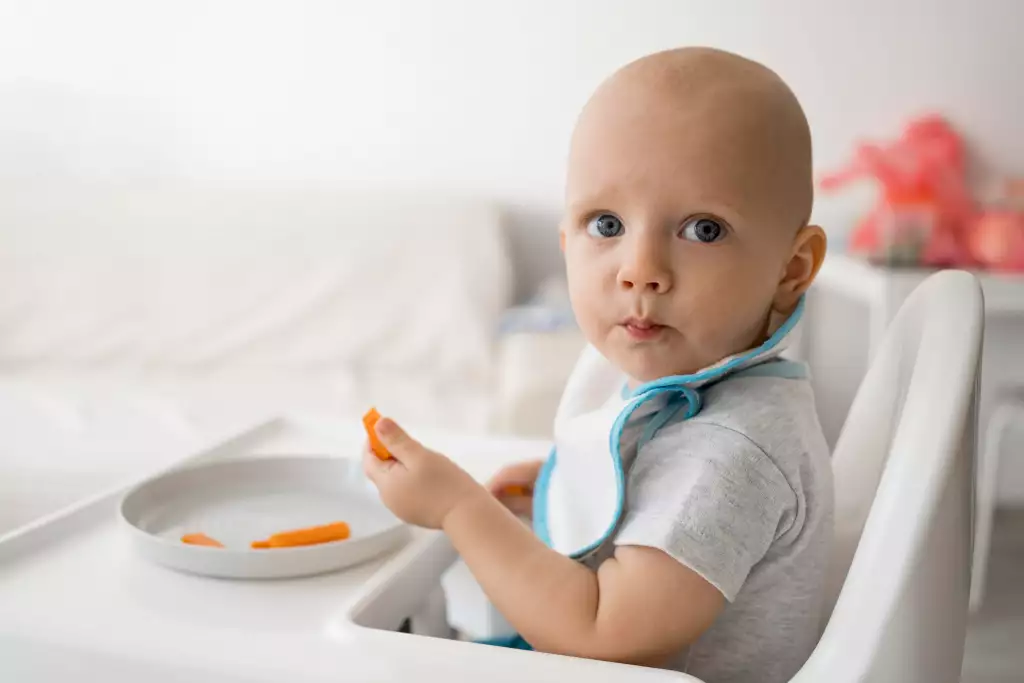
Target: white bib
(579, 497)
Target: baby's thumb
(394, 438)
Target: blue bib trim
(718, 372)
(540, 505)
(515, 642)
(780, 368)
(682, 396)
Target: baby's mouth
(642, 329)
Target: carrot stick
(336, 531)
(201, 539)
(370, 423)
(515, 490)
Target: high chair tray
(77, 602)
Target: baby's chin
(646, 364)
(667, 354)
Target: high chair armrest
(398, 591)
(404, 586)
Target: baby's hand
(513, 486)
(418, 485)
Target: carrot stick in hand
(515, 490)
(370, 423)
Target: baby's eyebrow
(589, 202)
(719, 207)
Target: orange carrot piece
(201, 539)
(370, 422)
(515, 490)
(336, 531)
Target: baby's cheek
(589, 305)
(736, 327)
(716, 307)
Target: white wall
(463, 94)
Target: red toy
(925, 205)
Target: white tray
(77, 603)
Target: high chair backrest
(904, 463)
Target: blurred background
(212, 211)
(472, 97)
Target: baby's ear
(804, 263)
(561, 238)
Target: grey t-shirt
(742, 494)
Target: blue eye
(706, 230)
(605, 225)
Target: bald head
(733, 117)
(687, 200)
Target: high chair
(897, 598)
(904, 473)
(1008, 413)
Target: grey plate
(241, 501)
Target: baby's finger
(369, 467)
(399, 444)
(373, 466)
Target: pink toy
(997, 241)
(997, 235)
(925, 207)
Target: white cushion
(240, 282)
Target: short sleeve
(709, 497)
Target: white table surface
(87, 607)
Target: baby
(684, 518)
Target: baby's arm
(640, 607)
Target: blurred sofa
(136, 321)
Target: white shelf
(1004, 292)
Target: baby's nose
(654, 284)
(645, 270)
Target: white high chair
(1008, 414)
(904, 478)
(904, 470)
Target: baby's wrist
(474, 499)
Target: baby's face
(674, 240)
